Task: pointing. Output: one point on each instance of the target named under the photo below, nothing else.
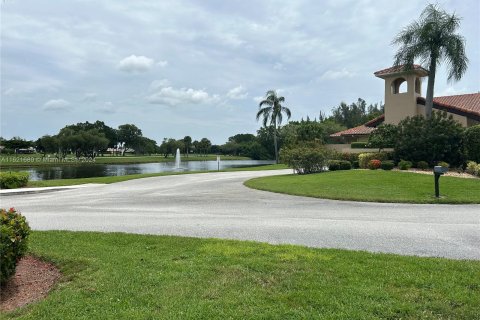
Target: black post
(437, 189)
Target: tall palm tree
(271, 110)
(432, 38)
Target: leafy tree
(384, 136)
(81, 142)
(204, 146)
(432, 38)
(439, 138)
(265, 137)
(147, 146)
(242, 138)
(355, 114)
(302, 131)
(271, 110)
(170, 146)
(17, 143)
(47, 144)
(130, 134)
(187, 142)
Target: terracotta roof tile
(399, 69)
(467, 102)
(354, 131)
(366, 128)
(375, 122)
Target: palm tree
(271, 110)
(432, 39)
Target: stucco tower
(402, 88)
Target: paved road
(218, 205)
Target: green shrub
(404, 165)
(473, 168)
(14, 231)
(423, 165)
(364, 158)
(387, 165)
(472, 143)
(443, 164)
(355, 164)
(347, 156)
(437, 139)
(384, 136)
(12, 180)
(334, 165)
(374, 164)
(358, 145)
(305, 159)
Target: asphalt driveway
(219, 205)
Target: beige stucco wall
(398, 106)
(464, 121)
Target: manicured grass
(113, 179)
(372, 185)
(126, 276)
(35, 160)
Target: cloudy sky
(199, 67)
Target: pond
(106, 170)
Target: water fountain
(177, 160)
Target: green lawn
(113, 179)
(373, 185)
(35, 160)
(126, 276)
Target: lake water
(106, 170)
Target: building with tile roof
(403, 88)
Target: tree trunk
(430, 87)
(275, 141)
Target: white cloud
(162, 63)
(258, 99)
(174, 97)
(336, 74)
(90, 97)
(158, 84)
(451, 91)
(107, 108)
(56, 105)
(135, 63)
(237, 93)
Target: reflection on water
(106, 170)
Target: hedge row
(14, 231)
(12, 180)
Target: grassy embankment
(126, 276)
(372, 185)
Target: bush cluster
(14, 231)
(359, 145)
(440, 138)
(387, 165)
(422, 165)
(12, 180)
(443, 164)
(404, 165)
(305, 159)
(472, 143)
(374, 164)
(364, 158)
(334, 165)
(473, 168)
